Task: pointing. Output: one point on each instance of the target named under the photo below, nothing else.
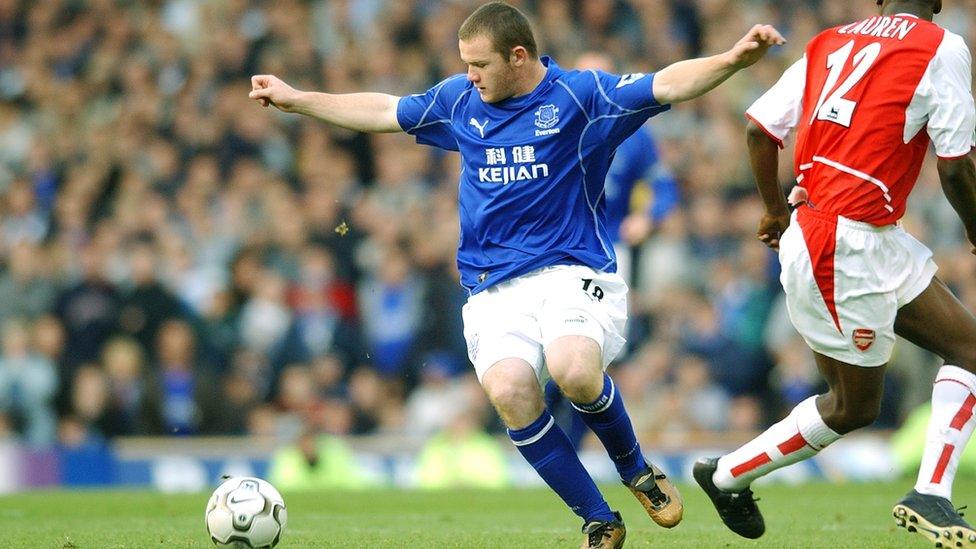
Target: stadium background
(177, 262)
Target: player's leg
(504, 345)
(575, 363)
(845, 312)
(582, 320)
(513, 388)
(852, 402)
(566, 417)
(937, 321)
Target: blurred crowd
(175, 259)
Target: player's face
(491, 74)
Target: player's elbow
(757, 136)
(754, 132)
(663, 89)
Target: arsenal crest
(863, 338)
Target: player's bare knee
(580, 382)
(844, 419)
(963, 356)
(516, 403)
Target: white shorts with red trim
(519, 318)
(845, 281)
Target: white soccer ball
(246, 513)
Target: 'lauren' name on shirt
(882, 27)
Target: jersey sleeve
(621, 103)
(427, 116)
(778, 110)
(952, 114)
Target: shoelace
(596, 536)
(655, 494)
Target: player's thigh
(500, 324)
(940, 323)
(854, 398)
(582, 302)
(851, 385)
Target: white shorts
(845, 281)
(520, 317)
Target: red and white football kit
(866, 99)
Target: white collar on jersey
(913, 16)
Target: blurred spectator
(88, 309)
(390, 302)
(316, 462)
(147, 304)
(28, 384)
(324, 307)
(462, 455)
(22, 222)
(26, 290)
(265, 322)
(182, 390)
(127, 411)
(438, 398)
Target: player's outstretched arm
(689, 79)
(764, 158)
(365, 112)
(958, 178)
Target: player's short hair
(504, 25)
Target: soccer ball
(246, 513)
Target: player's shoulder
(592, 82)
(580, 79)
(448, 89)
(454, 84)
(954, 44)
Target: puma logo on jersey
(629, 79)
(481, 127)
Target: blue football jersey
(637, 160)
(532, 167)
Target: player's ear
(937, 8)
(518, 56)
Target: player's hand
(270, 90)
(772, 227)
(754, 45)
(635, 228)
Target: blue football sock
(608, 418)
(553, 397)
(544, 445)
(566, 417)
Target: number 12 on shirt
(832, 106)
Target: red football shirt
(859, 99)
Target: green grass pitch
(811, 515)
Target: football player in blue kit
(535, 254)
(635, 163)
